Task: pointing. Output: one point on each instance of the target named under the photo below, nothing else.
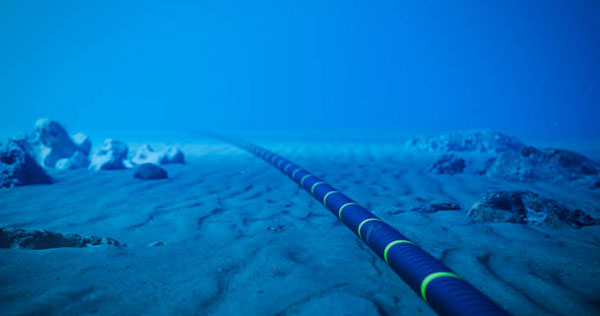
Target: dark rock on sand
(10, 238)
(448, 164)
(469, 141)
(526, 207)
(435, 207)
(17, 167)
(111, 156)
(150, 171)
(530, 164)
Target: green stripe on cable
(395, 242)
(294, 173)
(304, 178)
(364, 222)
(342, 208)
(432, 277)
(312, 189)
(326, 195)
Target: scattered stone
(17, 167)
(111, 156)
(149, 171)
(469, 141)
(448, 164)
(276, 228)
(526, 207)
(20, 238)
(530, 164)
(435, 207)
(156, 244)
(170, 155)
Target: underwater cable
(446, 292)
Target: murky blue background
(517, 66)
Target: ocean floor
(238, 237)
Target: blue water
(518, 66)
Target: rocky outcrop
(469, 141)
(17, 167)
(111, 156)
(170, 155)
(20, 238)
(530, 164)
(149, 171)
(448, 164)
(526, 207)
(51, 143)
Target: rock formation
(530, 164)
(12, 238)
(17, 167)
(448, 164)
(526, 207)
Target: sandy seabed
(241, 238)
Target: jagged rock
(448, 164)
(526, 207)
(111, 156)
(78, 160)
(17, 167)
(83, 142)
(469, 141)
(530, 164)
(147, 154)
(149, 171)
(172, 154)
(51, 143)
(435, 207)
(12, 238)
